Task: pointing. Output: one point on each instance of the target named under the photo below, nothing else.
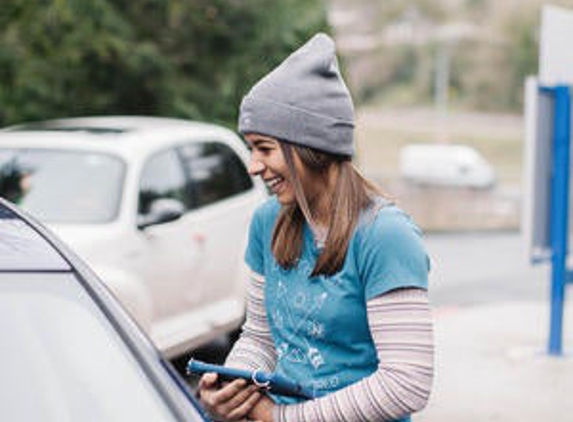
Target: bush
(184, 58)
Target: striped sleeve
(401, 327)
(255, 348)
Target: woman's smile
(281, 187)
(275, 183)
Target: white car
(158, 207)
(446, 165)
(69, 351)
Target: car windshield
(63, 361)
(60, 186)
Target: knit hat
(304, 101)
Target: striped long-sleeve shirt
(401, 327)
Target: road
(491, 332)
(475, 268)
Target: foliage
(522, 52)
(488, 61)
(186, 58)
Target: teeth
(274, 181)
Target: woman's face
(268, 162)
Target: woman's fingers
(208, 388)
(230, 390)
(234, 398)
(208, 380)
(243, 402)
(231, 402)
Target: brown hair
(352, 195)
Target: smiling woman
(338, 295)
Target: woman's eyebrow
(261, 142)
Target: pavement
(492, 365)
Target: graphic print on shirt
(315, 329)
(305, 327)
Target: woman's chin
(285, 199)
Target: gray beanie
(303, 101)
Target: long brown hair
(352, 195)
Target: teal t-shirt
(319, 325)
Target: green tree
(523, 47)
(185, 58)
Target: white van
(445, 165)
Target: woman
(338, 298)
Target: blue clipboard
(271, 382)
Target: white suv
(159, 207)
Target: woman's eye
(262, 150)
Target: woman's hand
(263, 410)
(229, 403)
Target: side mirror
(164, 210)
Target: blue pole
(559, 214)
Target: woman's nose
(255, 167)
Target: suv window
(215, 172)
(39, 314)
(162, 177)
